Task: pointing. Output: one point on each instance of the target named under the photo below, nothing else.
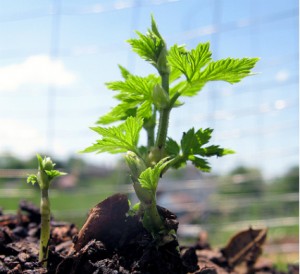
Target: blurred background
(56, 57)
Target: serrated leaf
(192, 141)
(181, 162)
(193, 149)
(203, 136)
(124, 72)
(175, 74)
(118, 139)
(188, 142)
(200, 163)
(145, 110)
(186, 88)
(40, 161)
(135, 86)
(32, 178)
(135, 94)
(118, 113)
(54, 173)
(199, 73)
(189, 62)
(149, 178)
(154, 28)
(147, 46)
(230, 70)
(150, 46)
(172, 148)
(227, 151)
(214, 150)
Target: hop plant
(44, 176)
(145, 100)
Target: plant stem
(150, 136)
(164, 115)
(152, 220)
(150, 129)
(45, 226)
(162, 128)
(157, 220)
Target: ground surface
(113, 242)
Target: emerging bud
(48, 164)
(136, 164)
(162, 64)
(160, 97)
(46, 172)
(155, 155)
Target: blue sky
(54, 65)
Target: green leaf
(149, 178)
(194, 149)
(125, 73)
(172, 148)
(192, 141)
(145, 110)
(175, 74)
(214, 150)
(230, 70)
(147, 46)
(134, 87)
(154, 28)
(188, 142)
(150, 46)
(203, 136)
(119, 113)
(189, 62)
(45, 174)
(118, 139)
(135, 94)
(32, 178)
(40, 161)
(200, 163)
(54, 173)
(198, 68)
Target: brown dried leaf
(245, 246)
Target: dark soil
(113, 242)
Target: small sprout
(45, 174)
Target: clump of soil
(111, 241)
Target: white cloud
(280, 104)
(282, 76)
(35, 70)
(24, 140)
(19, 138)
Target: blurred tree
(242, 180)
(75, 164)
(8, 161)
(289, 182)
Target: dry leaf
(245, 246)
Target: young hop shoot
(46, 173)
(145, 102)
